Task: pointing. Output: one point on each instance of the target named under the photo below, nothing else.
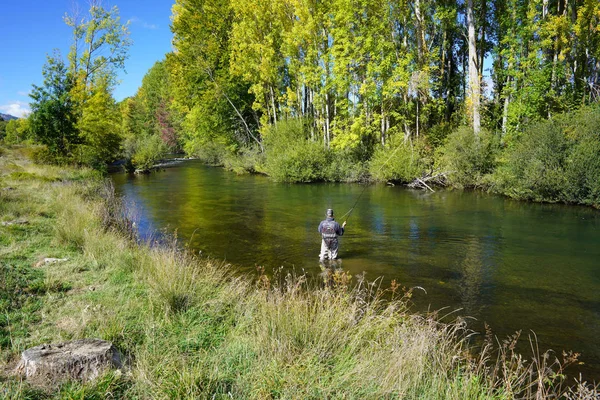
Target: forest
(501, 96)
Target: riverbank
(549, 161)
(191, 328)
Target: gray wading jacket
(330, 230)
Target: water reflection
(513, 265)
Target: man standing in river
(330, 230)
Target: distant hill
(7, 117)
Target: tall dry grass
(191, 328)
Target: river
(512, 265)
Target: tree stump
(82, 360)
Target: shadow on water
(512, 265)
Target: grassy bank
(193, 329)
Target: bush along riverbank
(557, 160)
(72, 268)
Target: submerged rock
(81, 360)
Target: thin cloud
(22, 93)
(18, 109)
(142, 23)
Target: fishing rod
(349, 213)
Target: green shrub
(534, 166)
(147, 151)
(557, 160)
(278, 137)
(399, 163)
(582, 167)
(468, 159)
(245, 160)
(211, 153)
(290, 156)
(43, 155)
(2, 129)
(302, 161)
(436, 135)
(344, 166)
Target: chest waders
(329, 235)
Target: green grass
(192, 329)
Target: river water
(512, 265)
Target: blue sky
(31, 29)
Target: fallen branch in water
(424, 184)
(440, 179)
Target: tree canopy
(73, 112)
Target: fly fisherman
(330, 230)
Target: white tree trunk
(418, 116)
(273, 104)
(474, 85)
(382, 123)
(505, 116)
(419, 32)
(327, 121)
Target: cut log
(81, 360)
